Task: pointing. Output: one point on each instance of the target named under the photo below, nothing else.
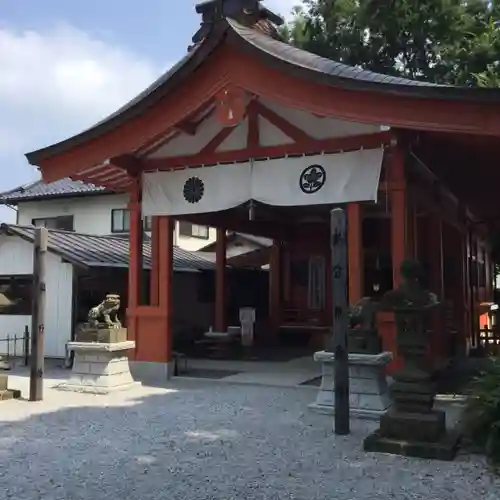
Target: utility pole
(338, 240)
(38, 314)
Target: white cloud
(56, 83)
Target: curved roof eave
(299, 62)
(279, 55)
(147, 98)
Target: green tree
(443, 41)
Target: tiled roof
(258, 240)
(39, 190)
(320, 65)
(104, 251)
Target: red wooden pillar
(355, 251)
(135, 262)
(435, 242)
(220, 281)
(435, 232)
(275, 278)
(399, 245)
(399, 202)
(155, 260)
(412, 227)
(468, 300)
(165, 288)
(489, 274)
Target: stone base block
(425, 427)
(100, 368)
(10, 394)
(444, 449)
(353, 412)
(368, 390)
(103, 335)
(143, 370)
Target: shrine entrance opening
(289, 201)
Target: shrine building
(249, 134)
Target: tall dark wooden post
(38, 317)
(338, 238)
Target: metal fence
(14, 347)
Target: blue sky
(65, 64)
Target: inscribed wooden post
(338, 238)
(38, 317)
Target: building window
(120, 220)
(15, 295)
(64, 222)
(193, 230)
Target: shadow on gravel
(201, 442)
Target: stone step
(10, 394)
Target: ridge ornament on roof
(246, 12)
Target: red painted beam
(313, 146)
(253, 135)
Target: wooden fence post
(26, 345)
(38, 314)
(338, 240)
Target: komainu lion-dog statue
(105, 315)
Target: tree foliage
(442, 41)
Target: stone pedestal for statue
(101, 362)
(368, 390)
(101, 335)
(411, 427)
(5, 392)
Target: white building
(88, 209)
(89, 257)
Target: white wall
(16, 257)
(92, 215)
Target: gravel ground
(198, 441)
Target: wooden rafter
(216, 141)
(128, 163)
(161, 140)
(292, 131)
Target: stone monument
(368, 390)
(411, 427)
(100, 347)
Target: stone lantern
(411, 427)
